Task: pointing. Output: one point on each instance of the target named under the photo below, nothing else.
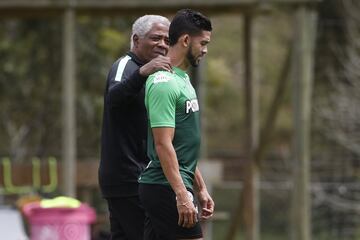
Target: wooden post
(68, 104)
(273, 112)
(250, 193)
(248, 205)
(305, 19)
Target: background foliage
(30, 103)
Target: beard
(191, 58)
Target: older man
(123, 147)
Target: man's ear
(185, 40)
(135, 40)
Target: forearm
(170, 166)
(205, 200)
(199, 182)
(169, 163)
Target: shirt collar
(135, 58)
(180, 72)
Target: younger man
(166, 185)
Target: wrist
(183, 203)
(184, 198)
(181, 193)
(141, 72)
(201, 188)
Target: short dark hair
(187, 21)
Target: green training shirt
(171, 101)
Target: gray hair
(143, 25)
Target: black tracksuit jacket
(124, 129)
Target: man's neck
(138, 56)
(178, 57)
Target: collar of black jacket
(135, 58)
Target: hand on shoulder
(156, 64)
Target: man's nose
(204, 51)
